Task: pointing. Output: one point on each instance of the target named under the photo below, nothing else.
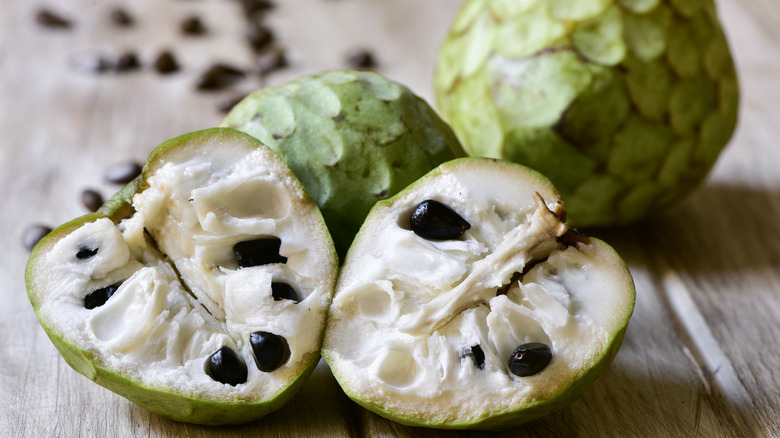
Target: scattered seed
(193, 26)
(259, 37)
(123, 173)
(271, 351)
(166, 63)
(226, 367)
(219, 76)
(121, 17)
(255, 7)
(53, 20)
(283, 291)
(434, 220)
(91, 199)
(529, 359)
(271, 60)
(85, 253)
(33, 234)
(127, 61)
(258, 252)
(362, 60)
(476, 354)
(99, 297)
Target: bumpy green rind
(352, 138)
(520, 414)
(162, 401)
(624, 105)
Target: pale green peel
(352, 138)
(623, 82)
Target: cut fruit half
(498, 316)
(200, 291)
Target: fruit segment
(487, 329)
(179, 296)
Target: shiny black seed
(258, 252)
(91, 199)
(362, 60)
(259, 37)
(166, 63)
(283, 291)
(219, 76)
(85, 253)
(126, 62)
(479, 356)
(271, 351)
(193, 26)
(99, 297)
(226, 367)
(529, 359)
(434, 220)
(123, 173)
(121, 17)
(33, 234)
(53, 20)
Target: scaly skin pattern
(625, 105)
(352, 138)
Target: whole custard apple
(625, 105)
(200, 291)
(352, 138)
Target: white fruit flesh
(182, 295)
(408, 310)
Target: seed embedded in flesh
(283, 291)
(258, 252)
(226, 367)
(99, 297)
(85, 252)
(529, 359)
(271, 351)
(476, 354)
(434, 220)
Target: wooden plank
(700, 354)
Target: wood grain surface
(701, 353)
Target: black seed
(52, 20)
(166, 63)
(193, 26)
(127, 61)
(271, 351)
(434, 220)
(33, 234)
(99, 297)
(362, 60)
(218, 76)
(91, 199)
(283, 291)
(271, 60)
(258, 252)
(479, 356)
(85, 253)
(254, 7)
(259, 37)
(529, 359)
(123, 173)
(226, 367)
(121, 17)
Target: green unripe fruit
(352, 138)
(625, 105)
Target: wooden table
(702, 351)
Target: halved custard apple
(467, 302)
(200, 291)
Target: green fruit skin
(160, 401)
(624, 105)
(352, 138)
(522, 414)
